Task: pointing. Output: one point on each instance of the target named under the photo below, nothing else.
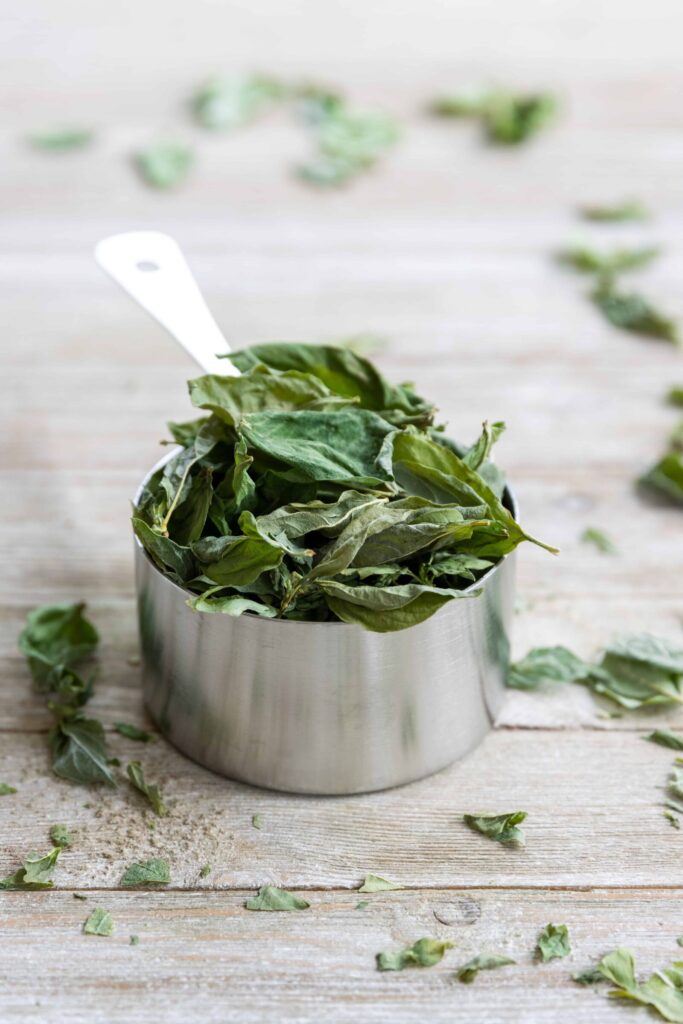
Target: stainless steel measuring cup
(308, 707)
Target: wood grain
(447, 251)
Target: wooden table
(447, 252)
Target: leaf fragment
(60, 836)
(99, 922)
(615, 213)
(6, 789)
(630, 312)
(148, 872)
(503, 828)
(35, 872)
(271, 898)
(164, 165)
(423, 953)
(483, 962)
(375, 883)
(600, 540)
(666, 738)
(553, 942)
(133, 732)
(61, 140)
(150, 790)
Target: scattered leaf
(132, 732)
(375, 883)
(6, 789)
(225, 104)
(257, 821)
(501, 827)
(666, 738)
(164, 165)
(61, 140)
(672, 818)
(148, 789)
(35, 873)
(631, 312)
(507, 118)
(79, 751)
(423, 953)
(147, 872)
(134, 940)
(591, 976)
(553, 942)
(666, 477)
(627, 210)
(271, 898)
(600, 540)
(675, 397)
(99, 922)
(607, 263)
(60, 836)
(205, 871)
(483, 962)
(362, 904)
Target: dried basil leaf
(666, 477)
(423, 953)
(506, 117)
(133, 732)
(375, 883)
(225, 104)
(607, 263)
(666, 738)
(6, 789)
(627, 210)
(35, 873)
(55, 639)
(546, 664)
(553, 942)
(483, 962)
(347, 144)
(672, 819)
(257, 821)
(148, 789)
(99, 922)
(271, 898)
(675, 397)
(164, 165)
(79, 751)
(662, 991)
(60, 836)
(148, 872)
(205, 871)
(501, 827)
(600, 540)
(62, 140)
(591, 976)
(631, 312)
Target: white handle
(152, 269)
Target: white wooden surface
(446, 251)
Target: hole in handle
(147, 266)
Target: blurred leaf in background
(164, 165)
(223, 104)
(62, 140)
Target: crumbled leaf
(61, 140)
(99, 922)
(132, 732)
(148, 789)
(205, 871)
(672, 818)
(675, 397)
(134, 940)
(148, 872)
(55, 639)
(225, 104)
(423, 953)
(78, 896)
(501, 827)
(666, 477)
(164, 165)
(257, 821)
(60, 836)
(375, 883)
(631, 312)
(546, 664)
(591, 976)
(679, 940)
(271, 898)
(35, 873)
(347, 143)
(600, 540)
(662, 991)
(6, 789)
(79, 751)
(362, 904)
(506, 117)
(607, 263)
(483, 962)
(666, 738)
(627, 210)
(553, 942)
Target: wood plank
(201, 956)
(594, 803)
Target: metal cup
(324, 707)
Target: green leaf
(507, 118)
(553, 942)
(260, 389)
(591, 976)
(672, 819)
(631, 312)
(99, 922)
(626, 210)
(60, 836)
(205, 871)
(150, 790)
(346, 447)
(236, 561)
(34, 873)
(231, 604)
(423, 953)
(666, 738)
(546, 664)
(606, 263)
(6, 789)
(134, 940)
(384, 609)
(501, 827)
(375, 883)
(257, 821)
(147, 872)
(675, 397)
(132, 732)
(345, 374)
(62, 140)
(483, 962)
(79, 751)
(666, 477)
(600, 540)
(164, 165)
(271, 898)
(347, 144)
(57, 637)
(362, 904)
(619, 968)
(164, 551)
(225, 104)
